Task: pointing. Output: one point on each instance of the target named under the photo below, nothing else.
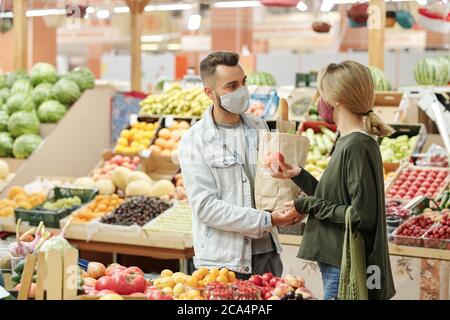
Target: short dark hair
(208, 65)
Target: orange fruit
(192, 282)
(164, 133)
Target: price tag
(133, 119)
(169, 121)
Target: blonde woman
(353, 178)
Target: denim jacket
(219, 192)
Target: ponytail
(376, 126)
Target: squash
(14, 191)
(84, 182)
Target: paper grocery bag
(271, 193)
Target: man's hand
(280, 169)
(287, 215)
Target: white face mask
(237, 101)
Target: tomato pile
(416, 182)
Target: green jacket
(354, 177)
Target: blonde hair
(350, 84)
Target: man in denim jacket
(218, 162)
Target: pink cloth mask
(325, 111)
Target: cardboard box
(386, 105)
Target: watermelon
(42, 72)
(432, 71)
(261, 79)
(66, 91)
(83, 77)
(379, 79)
(22, 86)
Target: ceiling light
(236, 4)
(194, 22)
(90, 10)
(174, 46)
(422, 2)
(152, 38)
(302, 6)
(326, 6)
(168, 7)
(45, 12)
(103, 14)
(149, 47)
(121, 9)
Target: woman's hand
(287, 215)
(278, 168)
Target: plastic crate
(443, 244)
(407, 241)
(51, 218)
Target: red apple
(256, 280)
(267, 276)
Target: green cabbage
(19, 102)
(83, 77)
(4, 94)
(4, 120)
(22, 123)
(66, 91)
(51, 111)
(22, 86)
(25, 145)
(42, 92)
(43, 72)
(6, 144)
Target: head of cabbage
(22, 123)
(25, 145)
(42, 92)
(51, 111)
(6, 144)
(19, 102)
(43, 72)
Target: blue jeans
(330, 279)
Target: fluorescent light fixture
(194, 22)
(236, 4)
(45, 12)
(121, 9)
(90, 10)
(168, 7)
(103, 14)
(149, 47)
(326, 5)
(422, 2)
(302, 6)
(173, 46)
(152, 38)
(6, 14)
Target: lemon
(132, 150)
(145, 142)
(122, 141)
(135, 144)
(125, 134)
(135, 125)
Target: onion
(96, 270)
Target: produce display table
(144, 251)
(419, 273)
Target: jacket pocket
(227, 173)
(220, 245)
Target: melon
(84, 182)
(162, 188)
(138, 188)
(432, 71)
(105, 186)
(119, 177)
(4, 169)
(138, 175)
(379, 79)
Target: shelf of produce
(137, 250)
(396, 250)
